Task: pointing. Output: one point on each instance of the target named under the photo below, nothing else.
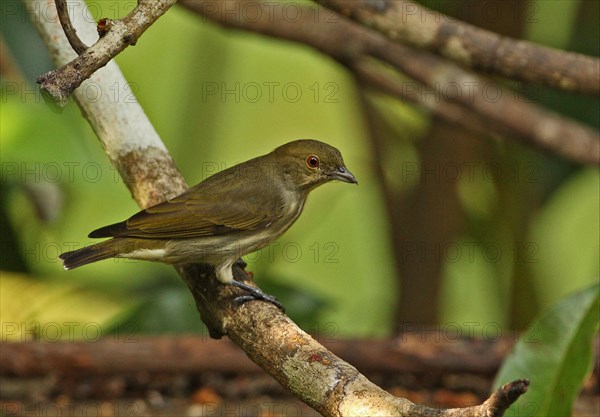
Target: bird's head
(306, 164)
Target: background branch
(503, 111)
(474, 47)
(507, 113)
(427, 353)
(369, 73)
(350, 43)
(269, 338)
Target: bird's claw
(254, 294)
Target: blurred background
(447, 229)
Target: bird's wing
(200, 212)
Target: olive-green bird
(230, 214)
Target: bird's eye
(312, 161)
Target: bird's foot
(254, 294)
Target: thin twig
(505, 396)
(60, 83)
(70, 32)
(474, 47)
(497, 403)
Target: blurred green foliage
(218, 97)
(37, 309)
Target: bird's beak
(342, 174)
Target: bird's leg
(242, 264)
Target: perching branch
(269, 337)
(118, 35)
(455, 90)
(473, 47)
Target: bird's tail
(89, 254)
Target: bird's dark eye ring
(312, 161)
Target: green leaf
(555, 354)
